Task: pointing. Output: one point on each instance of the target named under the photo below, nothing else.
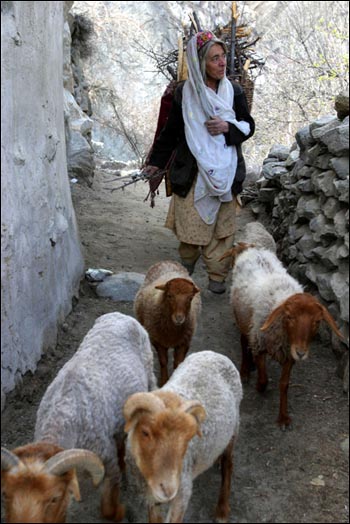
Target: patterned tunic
(188, 226)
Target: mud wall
(41, 261)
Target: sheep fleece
(260, 283)
(147, 300)
(213, 380)
(256, 233)
(83, 405)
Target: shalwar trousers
(211, 254)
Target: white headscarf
(216, 161)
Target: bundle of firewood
(243, 63)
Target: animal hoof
(222, 516)
(285, 424)
(120, 513)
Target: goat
(167, 305)
(38, 480)
(179, 431)
(82, 408)
(274, 317)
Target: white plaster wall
(41, 260)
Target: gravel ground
(294, 476)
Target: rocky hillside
(304, 45)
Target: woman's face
(216, 62)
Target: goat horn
(73, 458)
(142, 401)
(8, 459)
(195, 408)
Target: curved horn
(141, 402)
(195, 408)
(8, 460)
(76, 458)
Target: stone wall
(77, 107)
(303, 198)
(41, 260)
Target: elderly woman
(208, 121)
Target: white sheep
(82, 407)
(168, 305)
(179, 431)
(274, 316)
(256, 233)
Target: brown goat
(38, 479)
(167, 305)
(275, 317)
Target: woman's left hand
(216, 126)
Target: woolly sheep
(274, 316)
(179, 431)
(167, 305)
(254, 234)
(82, 408)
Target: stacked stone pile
(303, 197)
(77, 107)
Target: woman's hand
(149, 171)
(216, 126)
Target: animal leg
(179, 355)
(260, 361)
(178, 505)
(154, 514)
(223, 507)
(163, 361)
(110, 506)
(120, 443)
(247, 363)
(283, 419)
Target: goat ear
(74, 487)
(194, 408)
(162, 287)
(276, 313)
(195, 289)
(330, 321)
(138, 403)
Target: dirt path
(275, 473)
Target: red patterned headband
(203, 38)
